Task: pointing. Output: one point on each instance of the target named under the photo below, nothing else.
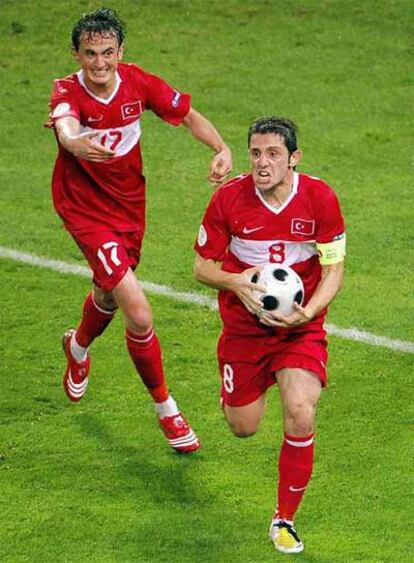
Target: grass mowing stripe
(198, 299)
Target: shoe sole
(187, 449)
(185, 444)
(288, 550)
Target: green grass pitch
(96, 482)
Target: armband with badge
(332, 252)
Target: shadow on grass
(163, 472)
(161, 491)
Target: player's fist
(221, 166)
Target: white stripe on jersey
(258, 252)
(120, 139)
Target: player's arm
(329, 286)
(81, 145)
(211, 273)
(201, 128)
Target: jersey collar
(286, 203)
(105, 101)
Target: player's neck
(100, 90)
(280, 193)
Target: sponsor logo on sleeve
(132, 109)
(202, 236)
(302, 227)
(176, 99)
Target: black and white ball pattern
(283, 288)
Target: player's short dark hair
(103, 21)
(277, 125)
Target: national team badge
(302, 227)
(133, 109)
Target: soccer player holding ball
(274, 215)
(99, 193)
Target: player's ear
(121, 52)
(295, 158)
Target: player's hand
(299, 317)
(243, 287)
(220, 167)
(84, 146)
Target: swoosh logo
(296, 489)
(91, 119)
(247, 231)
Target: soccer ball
(283, 288)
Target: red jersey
(242, 230)
(93, 196)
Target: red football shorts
(110, 254)
(248, 365)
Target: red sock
(295, 470)
(94, 322)
(145, 352)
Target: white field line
(198, 299)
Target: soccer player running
(99, 193)
(273, 215)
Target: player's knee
(139, 321)
(244, 433)
(105, 300)
(300, 418)
(301, 428)
(243, 429)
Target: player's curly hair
(103, 21)
(277, 125)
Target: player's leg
(101, 251)
(144, 349)
(245, 377)
(98, 311)
(142, 342)
(244, 421)
(299, 391)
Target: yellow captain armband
(332, 252)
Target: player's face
(98, 56)
(270, 161)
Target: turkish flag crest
(302, 227)
(133, 109)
